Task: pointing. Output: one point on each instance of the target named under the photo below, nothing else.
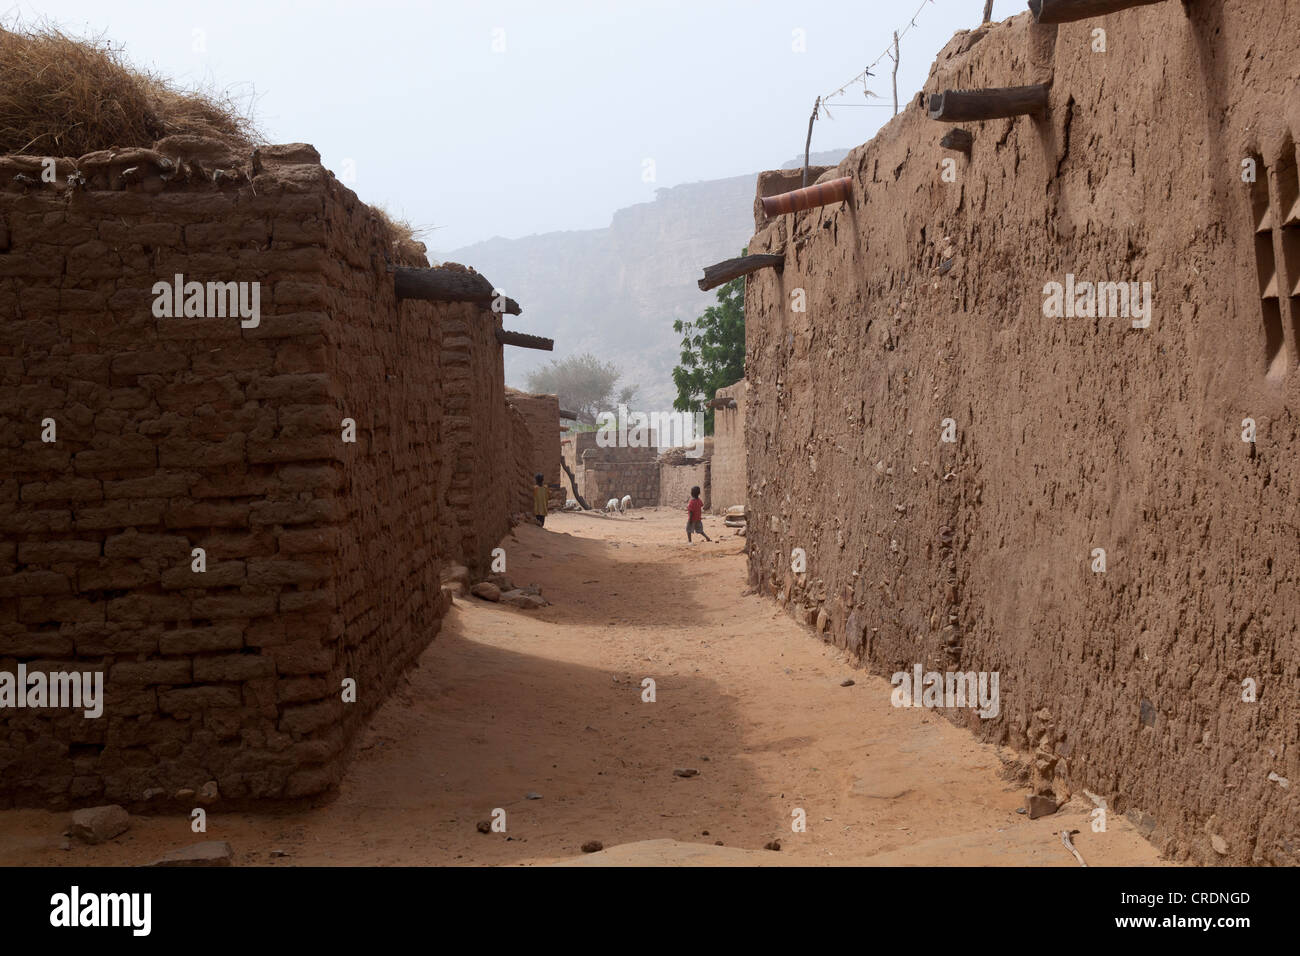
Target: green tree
(713, 351)
(583, 384)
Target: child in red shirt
(695, 516)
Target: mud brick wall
(483, 482)
(323, 557)
(614, 479)
(925, 303)
(524, 452)
(676, 481)
(542, 414)
(572, 447)
(727, 466)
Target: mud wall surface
(572, 447)
(486, 477)
(611, 472)
(542, 415)
(616, 477)
(322, 553)
(676, 481)
(727, 467)
(926, 303)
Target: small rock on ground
(208, 853)
(486, 590)
(97, 824)
(522, 599)
(685, 772)
(1039, 806)
(592, 846)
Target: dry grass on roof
(60, 96)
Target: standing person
(695, 516)
(539, 501)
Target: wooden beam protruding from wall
(819, 194)
(963, 106)
(525, 341)
(716, 275)
(446, 285)
(1067, 11)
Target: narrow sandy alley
(507, 703)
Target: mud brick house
(327, 455)
(727, 466)
(542, 415)
(952, 458)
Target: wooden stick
(1065, 838)
(525, 341)
(895, 74)
(1066, 11)
(988, 11)
(958, 139)
(574, 483)
(446, 285)
(961, 106)
(572, 416)
(716, 275)
(808, 197)
(807, 143)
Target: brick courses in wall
(676, 481)
(542, 414)
(727, 466)
(323, 557)
(925, 303)
(484, 481)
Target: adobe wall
(572, 446)
(542, 415)
(676, 481)
(486, 475)
(926, 302)
(727, 467)
(617, 476)
(602, 472)
(323, 556)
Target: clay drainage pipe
(835, 190)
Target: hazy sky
(510, 117)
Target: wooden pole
(810, 196)
(716, 275)
(807, 143)
(961, 106)
(446, 285)
(988, 11)
(958, 139)
(1066, 11)
(525, 341)
(573, 482)
(571, 416)
(895, 73)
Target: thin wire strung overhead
(889, 52)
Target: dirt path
(508, 702)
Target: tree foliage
(713, 351)
(583, 384)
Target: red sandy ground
(505, 702)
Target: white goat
(625, 504)
(611, 505)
